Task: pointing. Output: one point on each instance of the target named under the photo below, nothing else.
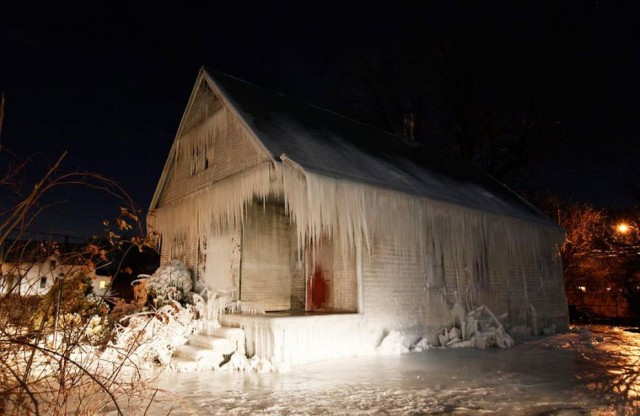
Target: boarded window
(200, 158)
(178, 249)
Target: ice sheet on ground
(588, 371)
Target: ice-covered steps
(234, 335)
(209, 348)
(222, 345)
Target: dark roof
(36, 251)
(324, 142)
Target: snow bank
(396, 343)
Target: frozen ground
(590, 370)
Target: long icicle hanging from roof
(355, 214)
(479, 250)
(220, 206)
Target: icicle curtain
(221, 206)
(198, 144)
(356, 215)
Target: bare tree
(434, 94)
(600, 253)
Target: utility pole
(60, 280)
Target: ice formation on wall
(480, 245)
(302, 339)
(355, 214)
(482, 249)
(220, 206)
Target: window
(178, 249)
(103, 284)
(201, 156)
(52, 264)
(43, 283)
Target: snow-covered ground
(589, 370)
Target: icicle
(477, 251)
(471, 252)
(221, 206)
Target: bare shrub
(53, 330)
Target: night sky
(109, 82)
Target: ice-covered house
(338, 230)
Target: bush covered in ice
(146, 338)
(171, 282)
(147, 333)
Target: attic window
(200, 158)
(52, 264)
(43, 283)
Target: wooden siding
(268, 258)
(407, 290)
(335, 274)
(233, 150)
(522, 289)
(396, 291)
(345, 282)
(204, 104)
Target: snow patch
(396, 343)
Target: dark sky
(109, 82)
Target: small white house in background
(27, 270)
(30, 277)
(337, 229)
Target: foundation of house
(301, 337)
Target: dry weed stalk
(51, 345)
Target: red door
(319, 277)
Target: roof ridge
(307, 103)
(326, 141)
